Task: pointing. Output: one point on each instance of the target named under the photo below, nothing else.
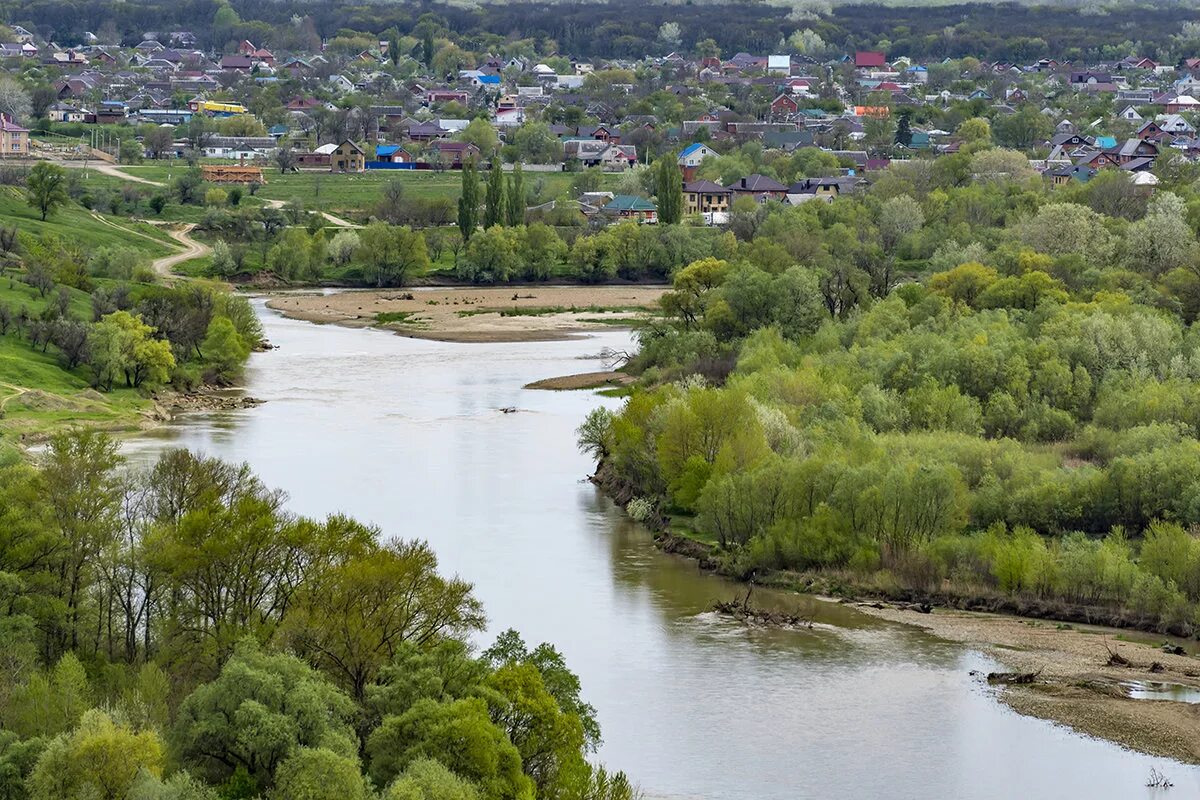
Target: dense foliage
(174, 632)
(1018, 417)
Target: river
(407, 434)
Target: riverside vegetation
(87, 333)
(173, 632)
(1017, 421)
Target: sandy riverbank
(498, 314)
(1076, 685)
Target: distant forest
(623, 29)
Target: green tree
(123, 345)
(391, 255)
(480, 133)
(426, 779)
(494, 200)
(669, 190)
(468, 202)
(314, 773)
(46, 187)
(514, 206)
(259, 712)
(99, 759)
(224, 349)
(350, 619)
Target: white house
(779, 65)
(693, 155)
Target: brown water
(407, 434)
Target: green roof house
(628, 205)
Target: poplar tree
(515, 208)
(669, 190)
(468, 201)
(493, 210)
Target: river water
(407, 434)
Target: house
(691, 157)
(784, 106)
(704, 197)
(347, 157)
(1175, 125)
(1130, 114)
(392, 154)
(824, 187)
(760, 187)
(14, 140)
(61, 112)
(593, 153)
(1075, 173)
(453, 154)
(869, 59)
(239, 147)
(628, 206)
(1150, 130)
(779, 65)
(601, 133)
(111, 112)
(236, 63)
(1182, 103)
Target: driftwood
(1173, 649)
(1013, 678)
(508, 410)
(1115, 659)
(1158, 780)
(1157, 667)
(743, 611)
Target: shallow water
(407, 434)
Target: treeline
(962, 378)
(1007, 31)
(174, 632)
(108, 323)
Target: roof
(869, 58)
(493, 80)
(759, 183)
(629, 202)
(387, 149)
(706, 187)
(691, 148)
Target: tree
(259, 712)
(514, 207)
(285, 158)
(350, 619)
(904, 129)
(426, 779)
(122, 344)
(669, 190)
(544, 251)
(315, 773)
(1068, 228)
(535, 143)
(494, 201)
(975, 131)
(99, 759)
(468, 202)
(46, 187)
(461, 735)
(158, 141)
(391, 254)
(224, 349)
(14, 100)
(480, 133)
(493, 255)
(1162, 240)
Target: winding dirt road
(191, 249)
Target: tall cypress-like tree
(669, 190)
(493, 202)
(468, 202)
(515, 208)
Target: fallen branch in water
(1013, 678)
(743, 611)
(1158, 780)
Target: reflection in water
(407, 434)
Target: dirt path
(337, 222)
(192, 249)
(109, 169)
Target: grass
(76, 224)
(402, 317)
